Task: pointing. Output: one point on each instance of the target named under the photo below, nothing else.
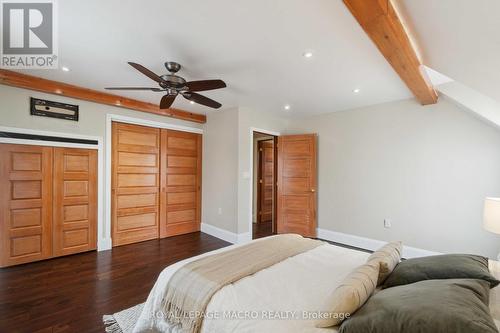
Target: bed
(284, 297)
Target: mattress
(285, 297)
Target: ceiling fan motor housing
(173, 81)
(172, 66)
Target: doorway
(264, 185)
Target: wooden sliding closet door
(135, 183)
(25, 203)
(75, 201)
(180, 182)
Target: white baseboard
(104, 244)
(223, 234)
(369, 244)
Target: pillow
(437, 306)
(388, 256)
(447, 266)
(350, 295)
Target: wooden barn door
(25, 203)
(296, 209)
(75, 201)
(180, 202)
(135, 183)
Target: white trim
(49, 133)
(228, 236)
(102, 241)
(104, 244)
(264, 131)
(151, 123)
(46, 143)
(107, 186)
(252, 130)
(370, 244)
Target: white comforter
(272, 300)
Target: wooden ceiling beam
(382, 24)
(19, 80)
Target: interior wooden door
(25, 203)
(135, 183)
(180, 182)
(297, 184)
(75, 201)
(266, 181)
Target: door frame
(259, 177)
(110, 118)
(102, 242)
(250, 206)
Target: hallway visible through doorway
(264, 180)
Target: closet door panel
(75, 201)
(180, 182)
(135, 183)
(25, 203)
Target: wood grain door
(135, 183)
(266, 181)
(75, 201)
(180, 182)
(297, 184)
(25, 203)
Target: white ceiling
(460, 39)
(255, 46)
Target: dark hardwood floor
(70, 294)
(262, 229)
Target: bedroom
(386, 121)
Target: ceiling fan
(175, 85)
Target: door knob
(313, 190)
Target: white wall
(248, 119)
(428, 169)
(227, 167)
(220, 170)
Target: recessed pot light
(191, 102)
(356, 90)
(308, 54)
(287, 107)
(65, 69)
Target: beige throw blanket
(190, 289)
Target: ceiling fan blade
(133, 88)
(205, 85)
(146, 72)
(166, 101)
(200, 99)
